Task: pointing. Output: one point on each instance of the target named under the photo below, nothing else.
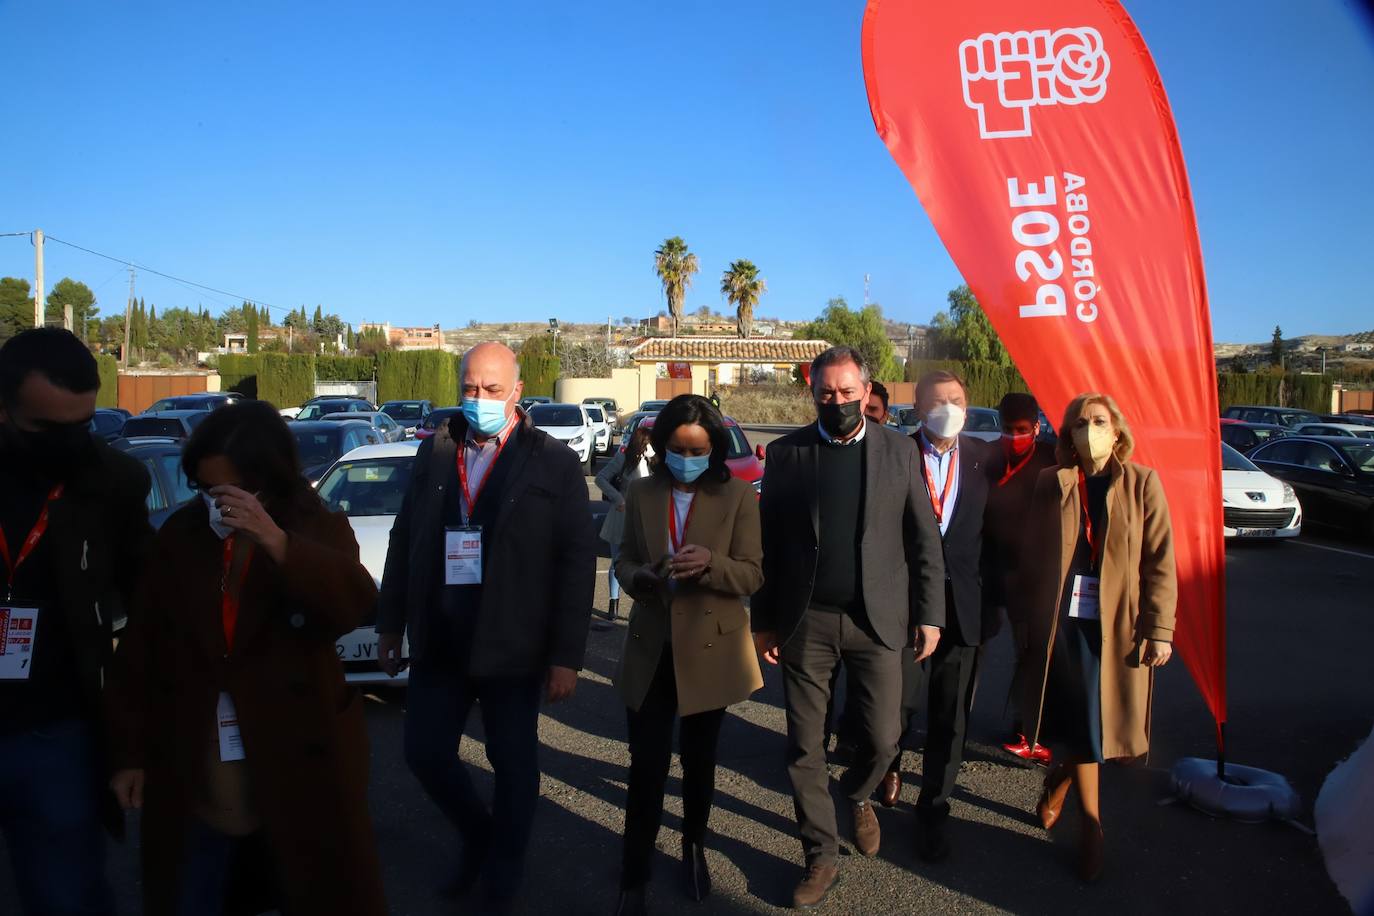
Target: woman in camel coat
(1087, 673)
(691, 551)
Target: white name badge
(230, 738)
(463, 556)
(1083, 601)
(18, 627)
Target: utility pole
(40, 303)
(865, 290)
(128, 319)
(608, 338)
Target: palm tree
(675, 265)
(742, 286)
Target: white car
(1255, 504)
(368, 485)
(569, 424)
(602, 426)
(1348, 430)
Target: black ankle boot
(695, 874)
(631, 902)
(614, 610)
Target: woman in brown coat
(1096, 609)
(231, 724)
(691, 550)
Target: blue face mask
(485, 415)
(686, 469)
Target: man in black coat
(490, 571)
(852, 574)
(74, 527)
(953, 471)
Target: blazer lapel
(707, 513)
(875, 457)
(969, 469)
(653, 517)
(516, 481)
(809, 462)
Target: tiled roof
(727, 350)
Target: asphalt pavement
(1301, 697)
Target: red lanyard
(675, 537)
(229, 600)
(1013, 471)
(1093, 547)
(40, 528)
(470, 498)
(938, 503)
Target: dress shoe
(465, 879)
(696, 876)
(1035, 753)
(815, 884)
(1052, 797)
(867, 836)
(1091, 852)
(934, 845)
(631, 902)
(890, 789)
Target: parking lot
(1301, 698)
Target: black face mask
(840, 420)
(52, 453)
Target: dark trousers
(438, 702)
(944, 682)
(874, 682)
(651, 750)
(222, 873)
(51, 789)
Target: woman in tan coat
(231, 725)
(1096, 609)
(691, 551)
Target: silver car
(387, 428)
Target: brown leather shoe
(1091, 852)
(867, 836)
(815, 884)
(1051, 803)
(890, 789)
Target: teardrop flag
(1040, 142)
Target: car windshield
(983, 420)
(317, 446)
(909, 417)
(1292, 418)
(555, 415)
(154, 426)
(739, 446)
(596, 414)
(1232, 460)
(442, 415)
(371, 487)
(653, 405)
(1360, 454)
(411, 410)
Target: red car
(744, 463)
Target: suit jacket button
(708, 645)
(297, 621)
(708, 610)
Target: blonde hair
(1064, 450)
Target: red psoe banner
(1040, 142)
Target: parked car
(983, 423)
(387, 428)
(208, 401)
(908, 421)
(629, 421)
(1334, 477)
(410, 414)
(108, 423)
(601, 426)
(527, 402)
(368, 485)
(1280, 416)
(1253, 503)
(1346, 430)
(1357, 418)
(569, 424)
(894, 414)
(166, 424)
(317, 408)
(321, 442)
(606, 404)
(744, 463)
(326, 398)
(161, 456)
(1246, 437)
(439, 416)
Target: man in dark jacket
(852, 574)
(73, 532)
(491, 570)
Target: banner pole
(1221, 751)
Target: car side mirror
(759, 452)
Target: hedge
(417, 374)
(1310, 392)
(345, 368)
(108, 396)
(239, 372)
(286, 380)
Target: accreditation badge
(18, 629)
(463, 555)
(1083, 600)
(227, 723)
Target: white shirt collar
(929, 447)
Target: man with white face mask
(954, 471)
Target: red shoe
(1022, 748)
(1041, 754)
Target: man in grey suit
(853, 573)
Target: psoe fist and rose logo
(1008, 73)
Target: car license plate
(357, 647)
(1255, 532)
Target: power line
(184, 282)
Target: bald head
(491, 372)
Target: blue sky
(454, 161)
